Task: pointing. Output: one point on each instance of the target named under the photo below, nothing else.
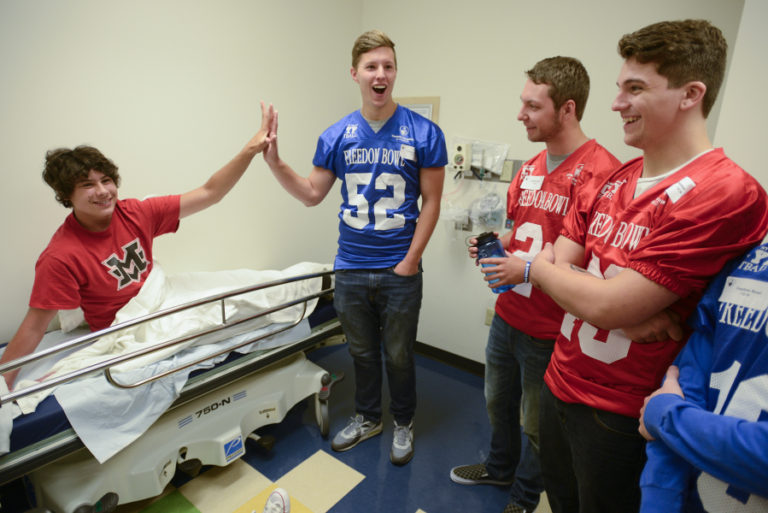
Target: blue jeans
(514, 372)
(379, 310)
(591, 459)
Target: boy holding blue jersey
(386, 156)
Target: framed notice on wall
(427, 106)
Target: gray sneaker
(402, 444)
(357, 430)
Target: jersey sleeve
(435, 153)
(728, 448)
(718, 221)
(575, 222)
(665, 480)
(323, 155)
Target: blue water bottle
(488, 245)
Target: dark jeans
(514, 370)
(591, 459)
(379, 311)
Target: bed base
(209, 430)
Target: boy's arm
(27, 338)
(665, 480)
(567, 255)
(728, 445)
(624, 299)
(662, 326)
(222, 181)
(431, 183)
(729, 448)
(309, 190)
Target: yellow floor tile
(225, 489)
(257, 503)
(320, 481)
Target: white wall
(170, 91)
(741, 127)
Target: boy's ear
(693, 94)
(568, 108)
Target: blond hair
(370, 41)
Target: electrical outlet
(489, 316)
(462, 157)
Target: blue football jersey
(714, 445)
(380, 183)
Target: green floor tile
(174, 502)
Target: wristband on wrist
(527, 272)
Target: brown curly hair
(64, 168)
(683, 51)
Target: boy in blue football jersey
(708, 423)
(386, 157)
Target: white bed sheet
(108, 418)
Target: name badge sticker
(532, 183)
(745, 292)
(678, 190)
(408, 152)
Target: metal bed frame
(31, 458)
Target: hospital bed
(216, 411)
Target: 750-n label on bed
(211, 408)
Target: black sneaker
(475, 474)
(356, 431)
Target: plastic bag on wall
(488, 211)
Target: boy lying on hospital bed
(101, 255)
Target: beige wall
(170, 91)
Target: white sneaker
(356, 431)
(277, 502)
(402, 444)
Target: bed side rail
(106, 365)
